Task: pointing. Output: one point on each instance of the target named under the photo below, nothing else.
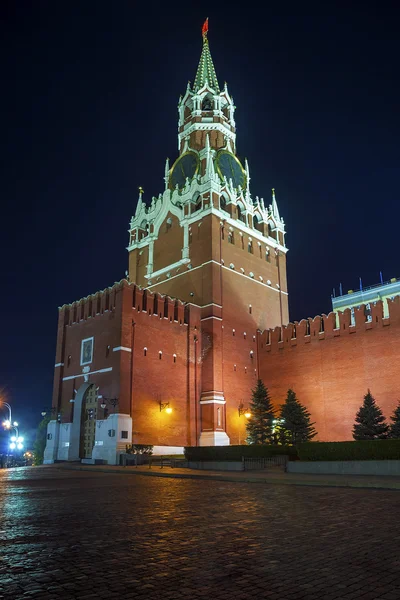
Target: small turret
(275, 210)
(166, 176)
(140, 201)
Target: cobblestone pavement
(85, 535)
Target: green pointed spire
(205, 70)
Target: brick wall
(330, 368)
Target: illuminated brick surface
(73, 535)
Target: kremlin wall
(331, 365)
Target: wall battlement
(142, 300)
(323, 327)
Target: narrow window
(250, 248)
(174, 356)
(244, 335)
(245, 369)
(69, 361)
(251, 354)
(107, 300)
(218, 417)
(165, 308)
(107, 351)
(124, 435)
(98, 305)
(145, 351)
(234, 367)
(160, 355)
(250, 309)
(233, 332)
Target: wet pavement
(87, 535)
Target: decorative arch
(241, 212)
(223, 201)
(257, 223)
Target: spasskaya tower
(207, 241)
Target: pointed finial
(166, 175)
(275, 210)
(139, 202)
(204, 30)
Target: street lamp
(244, 411)
(165, 406)
(16, 443)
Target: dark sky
(89, 113)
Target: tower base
(214, 438)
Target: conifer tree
(394, 429)
(294, 424)
(370, 422)
(260, 425)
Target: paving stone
(92, 535)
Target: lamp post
(113, 401)
(245, 412)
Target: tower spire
(205, 70)
(275, 210)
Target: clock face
(229, 166)
(185, 166)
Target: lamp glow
(168, 410)
(19, 446)
(20, 439)
(247, 415)
(12, 446)
(13, 438)
(15, 424)
(7, 424)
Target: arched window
(222, 203)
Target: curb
(395, 486)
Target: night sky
(89, 113)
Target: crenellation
(323, 327)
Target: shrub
(358, 450)
(231, 453)
(140, 449)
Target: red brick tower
(207, 241)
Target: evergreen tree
(260, 425)
(294, 424)
(370, 422)
(41, 440)
(394, 430)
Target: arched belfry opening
(207, 103)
